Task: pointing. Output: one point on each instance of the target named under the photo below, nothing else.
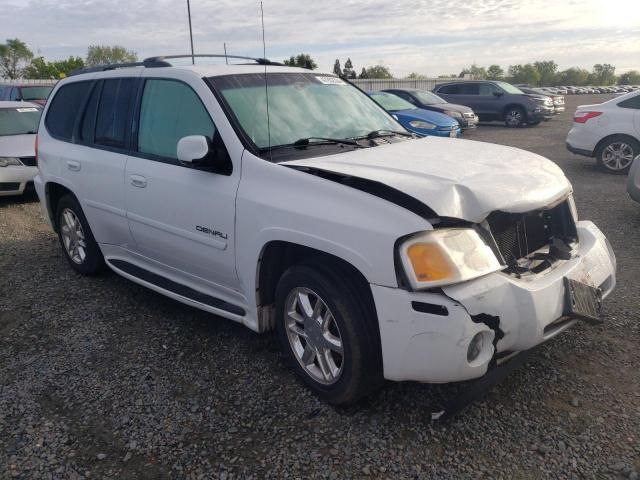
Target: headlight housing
(445, 256)
(6, 161)
(453, 114)
(422, 124)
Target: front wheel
(616, 154)
(515, 117)
(327, 333)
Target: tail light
(36, 149)
(584, 117)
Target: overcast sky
(429, 37)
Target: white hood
(17, 145)
(455, 178)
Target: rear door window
(469, 89)
(113, 112)
(487, 89)
(170, 110)
(65, 109)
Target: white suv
(375, 255)
(609, 131)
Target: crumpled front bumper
(425, 336)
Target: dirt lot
(101, 378)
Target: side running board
(174, 287)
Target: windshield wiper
(305, 142)
(386, 133)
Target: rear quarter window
(633, 102)
(65, 107)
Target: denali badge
(213, 233)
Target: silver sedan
(633, 183)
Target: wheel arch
(604, 140)
(54, 192)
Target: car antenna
(266, 82)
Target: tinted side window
(15, 94)
(65, 108)
(170, 110)
(633, 103)
(450, 89)
(88, 123)
(113, 112)
(469, 89)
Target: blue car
(417, 120)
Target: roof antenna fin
(266, 81)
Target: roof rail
(259, 61)
(148, 63)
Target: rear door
(181, 218)
(461, 93)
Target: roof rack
(259, 61)
(148, 63)
(161, 61)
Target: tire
(77, 241)
(515, 117)
(615, 155)
(338, 378)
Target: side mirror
(498, 93)
(193, 149)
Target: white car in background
(18, 127)
(609, 131)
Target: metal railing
(381, 84)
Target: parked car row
(28, 92)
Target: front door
(181, 218)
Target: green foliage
(524, 74)
(377, 71)
(632, 77)
(548, 70)
(495, 72)
(337, 69)
(478, 73)
(302, 60)
(14, 56)
(574, 76)
(603, 74)
(104, 54)
(349, 71)
(415, 76)
(43, 70)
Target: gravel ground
(101, 378)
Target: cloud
(427, 36)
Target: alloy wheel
(617, 156)
(514, 117)
(73, 236)
(314, 335)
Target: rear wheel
(326, 332)
(80, 248)
(616, 154)
(515, 117)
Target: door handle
(73, 165)
(138, 181)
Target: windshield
(301, 105)
(391, 103)
(35, 93)
(507, 87)
(428, 98)
(19, 121)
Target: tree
(14, 56)
(632, 77)
(524, 74)
(348, 71)
(478, 73)
(363, 73)
(303, 61)
(573, 76)
(41, 69)
(415, 76)
(495, 72)
(548, 71)
(337, 69)
(104, 54)
(603, 74)
(377, 71)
